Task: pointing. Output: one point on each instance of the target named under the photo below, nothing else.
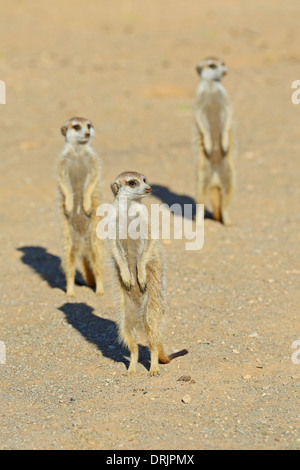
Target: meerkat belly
(132, 249)
(214, 113)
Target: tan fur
(140, 279)
(214, 139)
(78, 173)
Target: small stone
(253, 335)
(247, 377)
(184, 378)
(186, 398)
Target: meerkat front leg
(203, 126)
(90, 187)
(66, 189)
(120, 259)
(226, 133)
(142, 265)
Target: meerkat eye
(212, 66)
(144, 180)
(88, 126)
(77, 127)
(132, 183)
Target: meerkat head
(131, 184)
(211, 68)
(78, 131)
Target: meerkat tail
(215, 197)
(164, 359)
(182, 352)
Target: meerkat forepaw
(69, 206)
(225, 143)
(141, 278)
(207, 144)
(142, 286)
(154, 373)
(87, 207)
(127, 279)
(88, 213)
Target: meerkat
(139, 273)
(78, 174)
(213, 123)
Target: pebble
(186, 398)
(184, 378)
(253, 335)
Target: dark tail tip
(183, 352)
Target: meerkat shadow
(101, 332)
(168, 197)
(48, 266)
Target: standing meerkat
(139, 269)
(213, 123)
(78, 173)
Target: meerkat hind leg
(69, 259)
(129, 340)
(163, 358)
(154, 353)
(97, 268)
(226, 195)
(127, 332)
(151, 327)
(70, 273)
(215, 198)
(89, 275)
(225, 201)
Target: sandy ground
(130, 67)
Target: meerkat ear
(115, 186)
(64, 130)
(199, 68)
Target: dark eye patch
(88, 126)
(77, 127)
(132, 183)
(212, 66)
